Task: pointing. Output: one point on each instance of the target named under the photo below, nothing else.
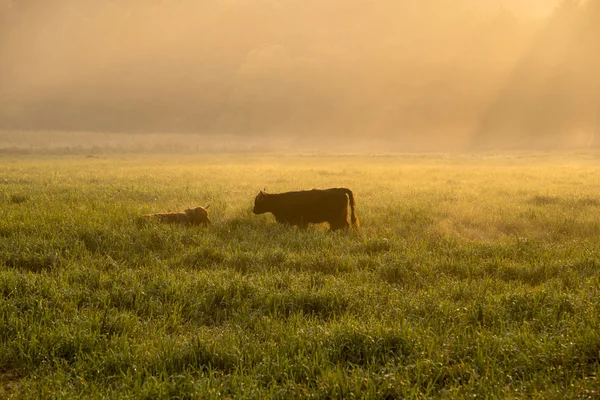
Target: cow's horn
(206, 208)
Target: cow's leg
(302, 224)
(338, 224)
(340, 221)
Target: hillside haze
(433, 74)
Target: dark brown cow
(309, 206)
(193, 216)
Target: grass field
(470, 276)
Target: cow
(193, 216)
(309, 206)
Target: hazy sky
(389, 68)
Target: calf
(193, 216)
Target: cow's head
(260, 203)
(198, 215)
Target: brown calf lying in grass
(193, 216)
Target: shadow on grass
(31, 257)
(353, 346)
(320, 304)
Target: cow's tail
(353, 217)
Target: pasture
(470, 276)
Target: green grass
(471, 276)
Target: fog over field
(420, 75)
